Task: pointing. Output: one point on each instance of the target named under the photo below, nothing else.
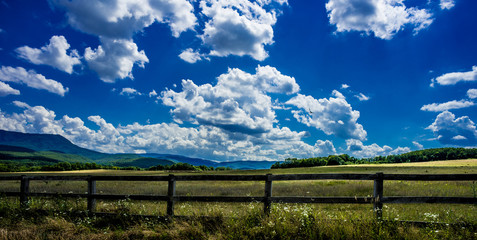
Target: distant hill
(198, 161)
(142, 162)
(183, 159)
(247, 165)
(42, 149)
(46, 142)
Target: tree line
(66, 166)
(414, 156)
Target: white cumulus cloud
(122, 18)
(130, 92)
(455, 77)
(383, 18)
(191, 56)
(361, 97)
(418, 145)
(55, 54)
(455, 131)
(115, 59)
(6, 90)
(447, 4)
(238, 27)
(202, 141)
(333, 115)
(358, 149)
(237, 103)
(441, 107)
(31, 79)
(472, 93)
(344, 86)
(153, 93)
(116, 21)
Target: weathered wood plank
(357, 200)
(10, 194)
(171, 192)
(131, 197)
(431, 177)
(288, 177)
(218, 199)
(282, 177)
(267, 203)
(451, 200)
(57, 178)
(63, 195)
(378, 195)
(130, 178)
(10, 178)
(221, 178)
(91, 192)
(24, 190)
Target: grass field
(287, 221)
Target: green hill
(142, 162)
(46, 142)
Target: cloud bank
(454, 131)
(333, 115)
(32, 79)
(55, 54)
(383, 18)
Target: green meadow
(59, 218)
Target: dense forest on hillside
(415, 156)
(66, 166)
(53, 161)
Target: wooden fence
(267, 198)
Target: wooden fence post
(171, 192)
(91, 192)
(378, 195)
(268, 194)
(24, 190)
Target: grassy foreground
(67, 219)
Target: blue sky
(242, 80)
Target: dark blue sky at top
(395, 74)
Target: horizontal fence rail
(267, 199)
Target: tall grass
(286, 221)
(58, 218)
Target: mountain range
(41, 149)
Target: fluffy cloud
(456, 131)
(153, 93)
(122, 18)
(325, 147)
(116, 21)
(230, 27)
(441, 107)
(191, 56)
(447, 4)
(5, 90)
(472, 93)
(361, 97)
(344, 86)
(238, 27)
(418, 145)
(384, 18)
(237, 103)
(334, 116)
(54, 54)
(455, 77)
(130, 92)
(202, 141)
(357, 148)
(31, 79)
(115, 59)
(33, 119)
